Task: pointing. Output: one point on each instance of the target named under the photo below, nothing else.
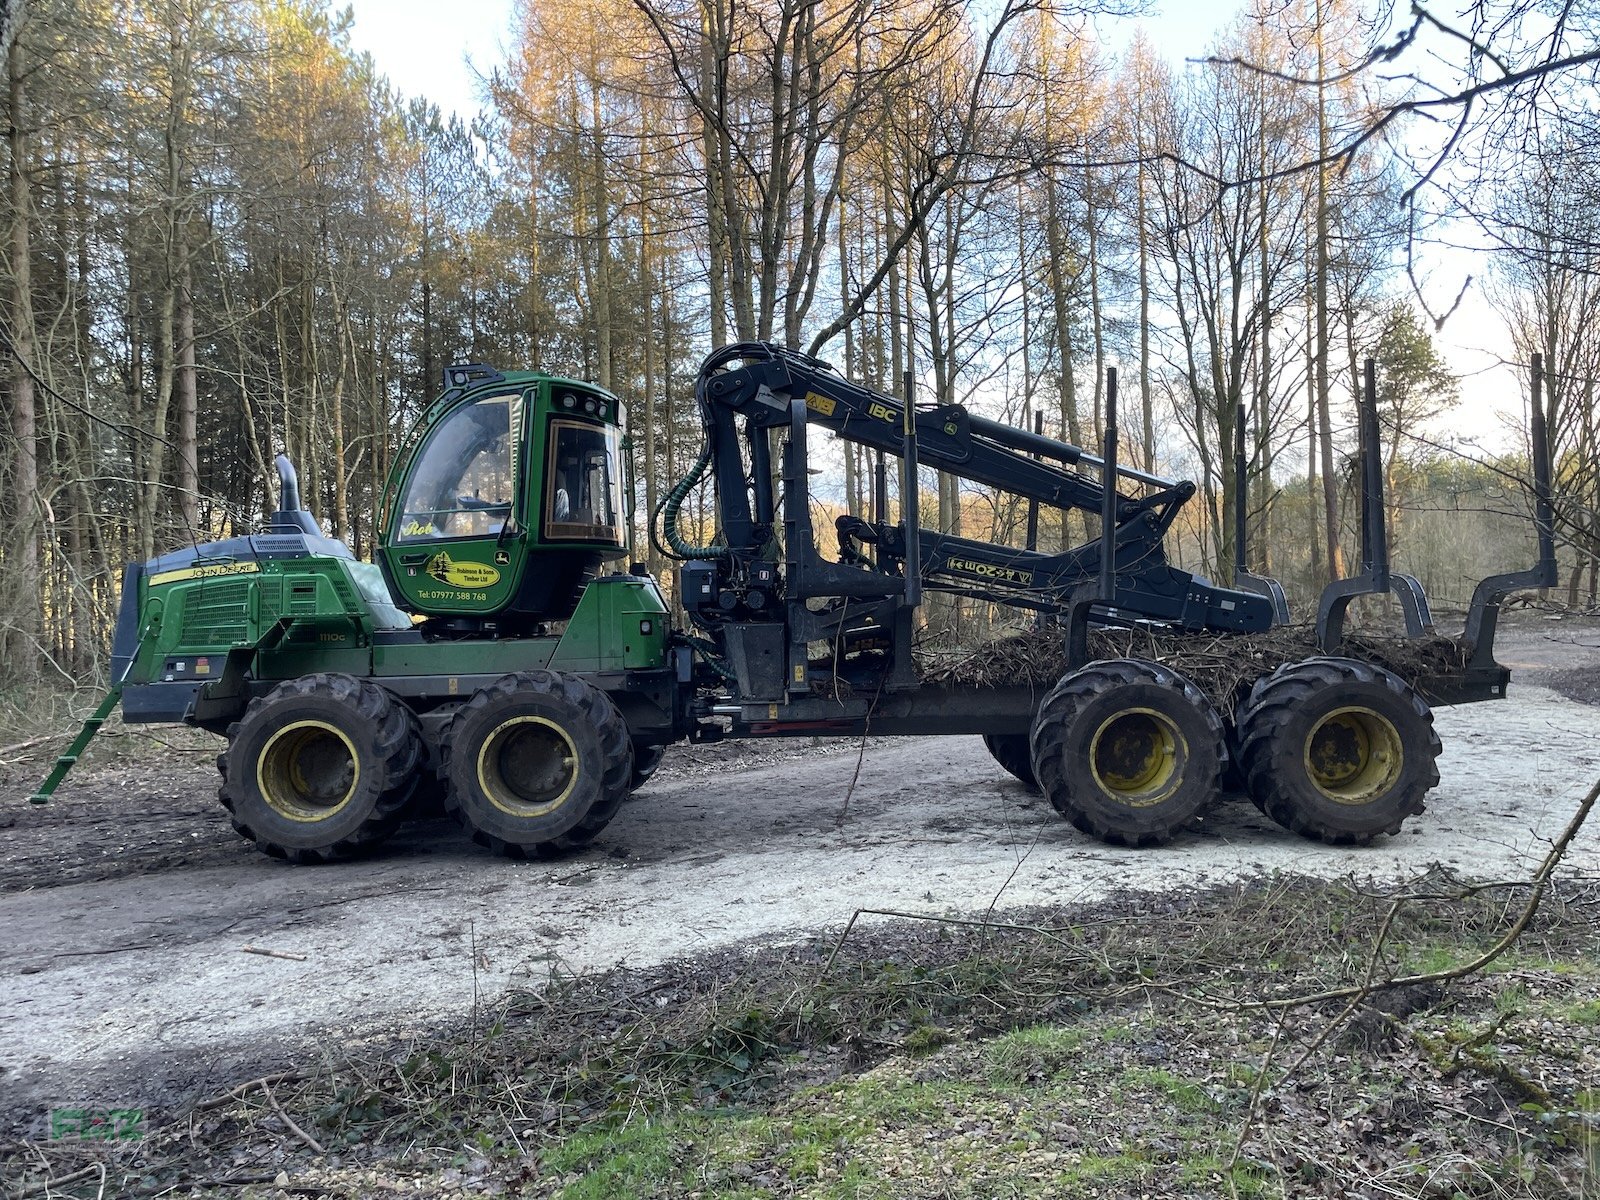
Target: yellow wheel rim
(1137, 757)
(308, 771)
(1353, 755)
(528, 766)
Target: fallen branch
(1540, 883)
(305, 1137)
(1355, 996)
(265, 953)
(238, 1093)
(44, 1186)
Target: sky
(440, 50)
(431, 47)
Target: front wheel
(1337, 750)
(320, 767)
(1129, 751)
(536, 761)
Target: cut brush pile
(1222, 665)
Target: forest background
(226, 234)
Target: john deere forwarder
(486, 655)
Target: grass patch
(1184, 1094)
(1037, 1052)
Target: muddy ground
(127, 904)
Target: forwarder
(489, 656)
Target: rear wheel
(536, 761)
(320, 767)
(1011, 751)
(1337, 750)
(1128, 751)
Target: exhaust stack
(290, 517)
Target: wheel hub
(307, 771)
(1353, 755)
(528, 766)
(1138, 756)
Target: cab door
(457, 542)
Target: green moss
(925, 1039)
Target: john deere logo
(462, 574)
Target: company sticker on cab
(473, 575)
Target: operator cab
(509, 499)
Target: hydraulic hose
(672, 504)
(677, 546)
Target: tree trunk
(1330, 485)
(188, 396)
(602, 233)
(19, 641)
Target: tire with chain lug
(1337, 750)
(1011, 751)
(1129, 751)
(321, 767)
(536, 762)
(645, 761)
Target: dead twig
(43, 1186)
(305, 1137)
(238, 1093)
(1356, 995)
(265, 953)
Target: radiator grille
(217, 612)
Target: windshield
(465, 477)
(583, 500)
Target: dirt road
(126, 905)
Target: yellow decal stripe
(214, 572)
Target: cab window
(583, 495)
(466, 475)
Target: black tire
(645, 761)
(321, 767)
(1129, 751)
(1233, 784)
(1012, 751)
(536, 762)
(427, 800)
(1337, 750)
